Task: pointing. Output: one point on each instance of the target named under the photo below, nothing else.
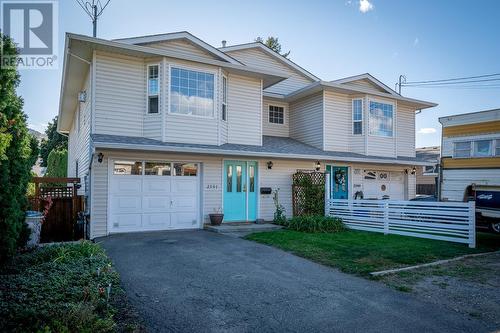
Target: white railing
(448, 221)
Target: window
(461, 149)
(357, 116)
(185, 169)
(482, 148)
(251, 177)
(153, 89)
(497, 149)
(381, 119)
(429, 169)
(127, 168)
(191, 93)
(157, 169)
(229, 178)
(276, 114)
(224, 98)
(238, 178)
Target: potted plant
(217, 217)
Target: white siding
(364, 84)
(273, 129)
(244, 115)
(79, 139)
(257, 58)
(153, 121)
(455, 181)
(99, 200)
(306, 120)
(120, 95)
(183, 47)
(338, 121)
(405, 129)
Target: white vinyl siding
(152, 123)
(257, 58)
(306, 120)
(183, 47)
(456, 181)
(79, 139)
(120, 101)
(364, 84)
(405, 129)
(245, 103)
(272, 129)
(338, 121)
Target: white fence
(448, 221)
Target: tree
(18, 153)
(274, 44)
(57, 163)
(54, 141)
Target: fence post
(386, 217)
(327, 194)
(472, 224)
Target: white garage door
(377, 184)
(148, 195)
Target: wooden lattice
(308, 192)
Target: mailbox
(266, 190)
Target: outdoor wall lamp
(270, 165)
(100, 156)
(414, 170)
(406, 171)
(318, 165)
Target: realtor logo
(32, 26)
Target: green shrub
(60, 288)
(316, 223)
(57, 163)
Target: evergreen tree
(274, 44)
(54, 141)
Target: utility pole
(93, 9)
(402, 80)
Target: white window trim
(470, 148)
(202, 70)
(496, 144)
(224, 102)
(362, 116)
(394, 111)
(492, 148)
(284, 113)
(159, 89)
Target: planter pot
(216, 219)
(34, 222)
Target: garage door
(377, 184)
(149, 195)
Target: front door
(240, 191)
(339, 181)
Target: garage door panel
(155, 184)
(124, 184)
(156, 221)
(185, 185)
(127, 221)
(155, 202)
(185, 203)
(184, 220)
(125, 204)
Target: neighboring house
(170, 129)
(427, 175)
(470, 152)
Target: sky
(423, 40)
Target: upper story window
(462, 149)
(276, 114)
(191, 92)
(497, 149)
(153, 89)
(381, 119)
(357, 116)
(224, 98)
(482, 148)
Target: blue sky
(423, 39)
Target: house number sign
(211, 187)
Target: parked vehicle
(487, 199)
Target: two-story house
(166, 129)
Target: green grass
(58, 289)
(360, 252)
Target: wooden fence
(448, 221)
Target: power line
(449, 83)
(454, 79)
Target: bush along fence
(448, 221)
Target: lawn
(361, 252)
(63, 288)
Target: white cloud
(40, 127)
(416, 41)
(427, 130)
(365, 6)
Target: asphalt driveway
(198, 281)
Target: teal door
(240, 191)
(339, 182)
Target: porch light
(414, 170)
(318, 165)
(100, 156)
(270, 165)
(406, 171)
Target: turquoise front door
(339, 182)
(240, 191)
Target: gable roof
(175, 36)
(273, 53)
(368, 77)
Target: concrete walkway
(198, 281)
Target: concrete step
(230, 228)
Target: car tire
(495, 226)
